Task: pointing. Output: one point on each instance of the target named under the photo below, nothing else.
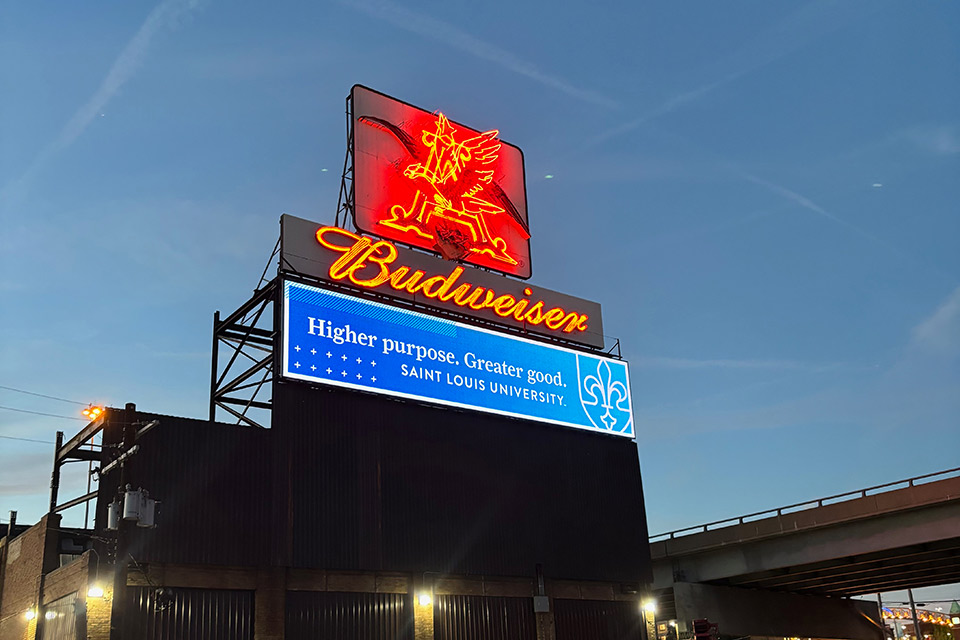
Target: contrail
(166, 14)
(448, 34)
(790, 34)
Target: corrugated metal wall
(358, 482)
(59, 621)
(484, 618)
(597, 620)
(375, 484)
(348, 616)
(213, 481)
(188, 614)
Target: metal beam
(245, 403)
(244, 376)
(75, 502)
(81, 438)
(259, 296)
(253, 331)
(239, 416)
(81, 455)
(908, 556)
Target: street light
(92, 412)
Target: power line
(42, 395)
(27, 439)
(40, 413)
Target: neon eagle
(456, 191)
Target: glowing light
(549, 176)
(424, 599)
(427, 181)
(650, 606)
(452, 202)
(374, 260)
(50, 615)
(92, 412)
(30, 614)
(95, 592)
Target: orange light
(364, 255)
(92, 412)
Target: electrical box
(113, 516)
(131, 505)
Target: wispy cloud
(810, 205)
(806, 203)
(165, 15)
(940, 332)
(918, 392)
(661, 362)
(940, 140)
(804, 25)
(456, 38)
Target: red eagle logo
(456, 191)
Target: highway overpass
(791, 571)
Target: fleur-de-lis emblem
(603, 390)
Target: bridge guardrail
(808, 504)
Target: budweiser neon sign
(423, 180)
(374, 264)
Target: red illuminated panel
(421, 179)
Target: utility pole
(6, 548)
(123, 529)
(916, 621)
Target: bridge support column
(755, 612)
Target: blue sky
(762, 195)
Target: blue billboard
(344, 341)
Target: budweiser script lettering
(370, 264)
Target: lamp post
(649, 611)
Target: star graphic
(313, 367)
(296, 364)
(329, 370)
(343, 373)
(359, 361)
(297, 348)
(373, 379)
(359, 376)
(313, 351)
(344, 357)
(373, 363)
(329, 354)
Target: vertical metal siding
(597, 620)
(63, 623)
(188, 614)
(369, 483)
(213, 484)
(348, 616)
(484, 618)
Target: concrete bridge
(791, 571)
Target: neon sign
(423, 180)
(370, 264)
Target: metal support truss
(248, 336)
(345, 201)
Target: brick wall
(22, 577)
